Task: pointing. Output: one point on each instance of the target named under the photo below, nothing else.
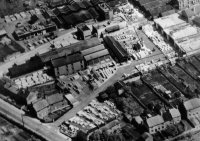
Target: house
(188, 14)
(32, 97)
(176, 115)
(72, 99)
(191, 108)
(155, 124)
(56, 102)
(41, 108)
(196, 21)
(184, 4)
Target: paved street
(30, 123)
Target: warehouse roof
(76, 47)
(178, 32)
(168, 21)
(96, 55)
(72, 58)
(93, 49)
(190, 44)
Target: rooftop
(55, 98)
(168, 21)
(174, 113)
(41, 104)
(96, 55)
(192, 104)
(190, 44)
(156, 120)
(93, 49)
(185, 30)
(72, 58)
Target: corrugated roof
(41, 104)
(156, 120)
(92, 50)
(72, 58)
(192, 104)
(76, 47)
(96, 55)
(55, 98)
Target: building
(75, 13)
(84, 32)
(32, 65)
(155, 124)
(183, 35)
(45, 107)
(120, 53)
(66, 50)
(196, 21)
(192, 108)
(184, 4)
(41, 108)
(105, 12)
(56, 102)
(28, 31)
(189, 45)
(68, 64)
(188, 14)
(175, 114)
(153, 8)
(96, 57)
(104, 29)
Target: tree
(81, 136)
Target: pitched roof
(76, 47)
(93, 49)
(174, 113)
(41, 104)
(192, 104)
(188, 13)
(156, 120)
(65, 60)
(196, 20)
(96, 55)
(55, 98)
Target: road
(34, 125)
